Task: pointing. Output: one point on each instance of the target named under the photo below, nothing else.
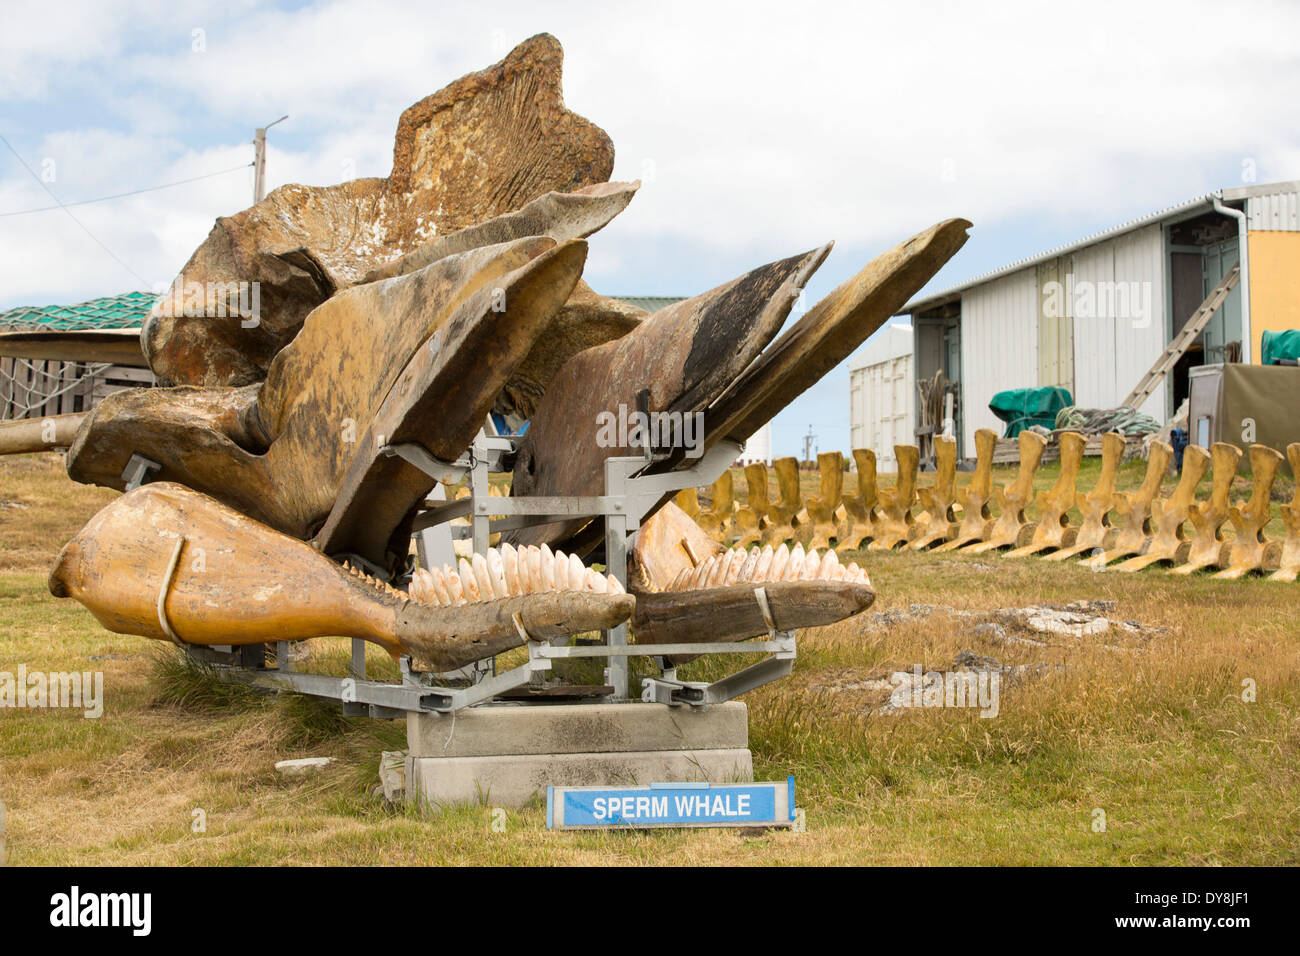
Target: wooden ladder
(1185, 337)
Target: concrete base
(507, 756)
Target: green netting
(111, 312)
(1023, 408)
(1280, 345)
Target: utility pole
(259, 160)
(808, 445)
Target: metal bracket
(137, 471)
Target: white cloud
(765, 129)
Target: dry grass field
(1155, 731)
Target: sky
(758, 130)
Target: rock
(482, 147)
(303, 766)
(392, 775)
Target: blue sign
(671, 805)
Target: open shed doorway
(1201, 252)
(937, 348)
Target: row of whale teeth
(508, 572)
(738, 567)
(372, 581)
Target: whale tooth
(546, 562)
(440, 587)
(510, 569)
(469, 582)
(793, 569)
(455, 590)
(497, 573)
(577, 573)
(614, 586)
(830, 563)
(811, 563)
(779, 561)
(421, 585)
(481, 577)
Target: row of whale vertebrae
(737, 566)
(508, 572)
(1147, 529)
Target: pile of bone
(783, 564)
(508, 572)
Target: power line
(133, 192)
(116, 258)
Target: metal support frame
(629, 496)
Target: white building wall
(1114, 345)
(999, 346)
(758, 447)
(882, 395)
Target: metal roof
(124, 311)
(1172, 212)
(651, 303)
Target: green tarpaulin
(1023, 408)
(1280, 345)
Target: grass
(1152, 731)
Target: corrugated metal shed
(1181, 210)
(882, 394)
(1124, 331)
(1272, 207)
(999, 345)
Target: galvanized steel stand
(630, 495)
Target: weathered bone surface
(783, 514)
(482, 147)
(895, 524)
(686, 354)
(1096, 531)
(1249, 547)
(748, 519)
(236, 581)
(668, 543)
(715, 520)
(1207, 547)
(1014, 498)
(439, 402)
(431, 346)
(977, 516)
(937, 523)
(1133, 530)
(716, 598)
(860, 509)
(1289, 559)
(829, 332)
(1053, 529)
(822, 508)
(1169, 515)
